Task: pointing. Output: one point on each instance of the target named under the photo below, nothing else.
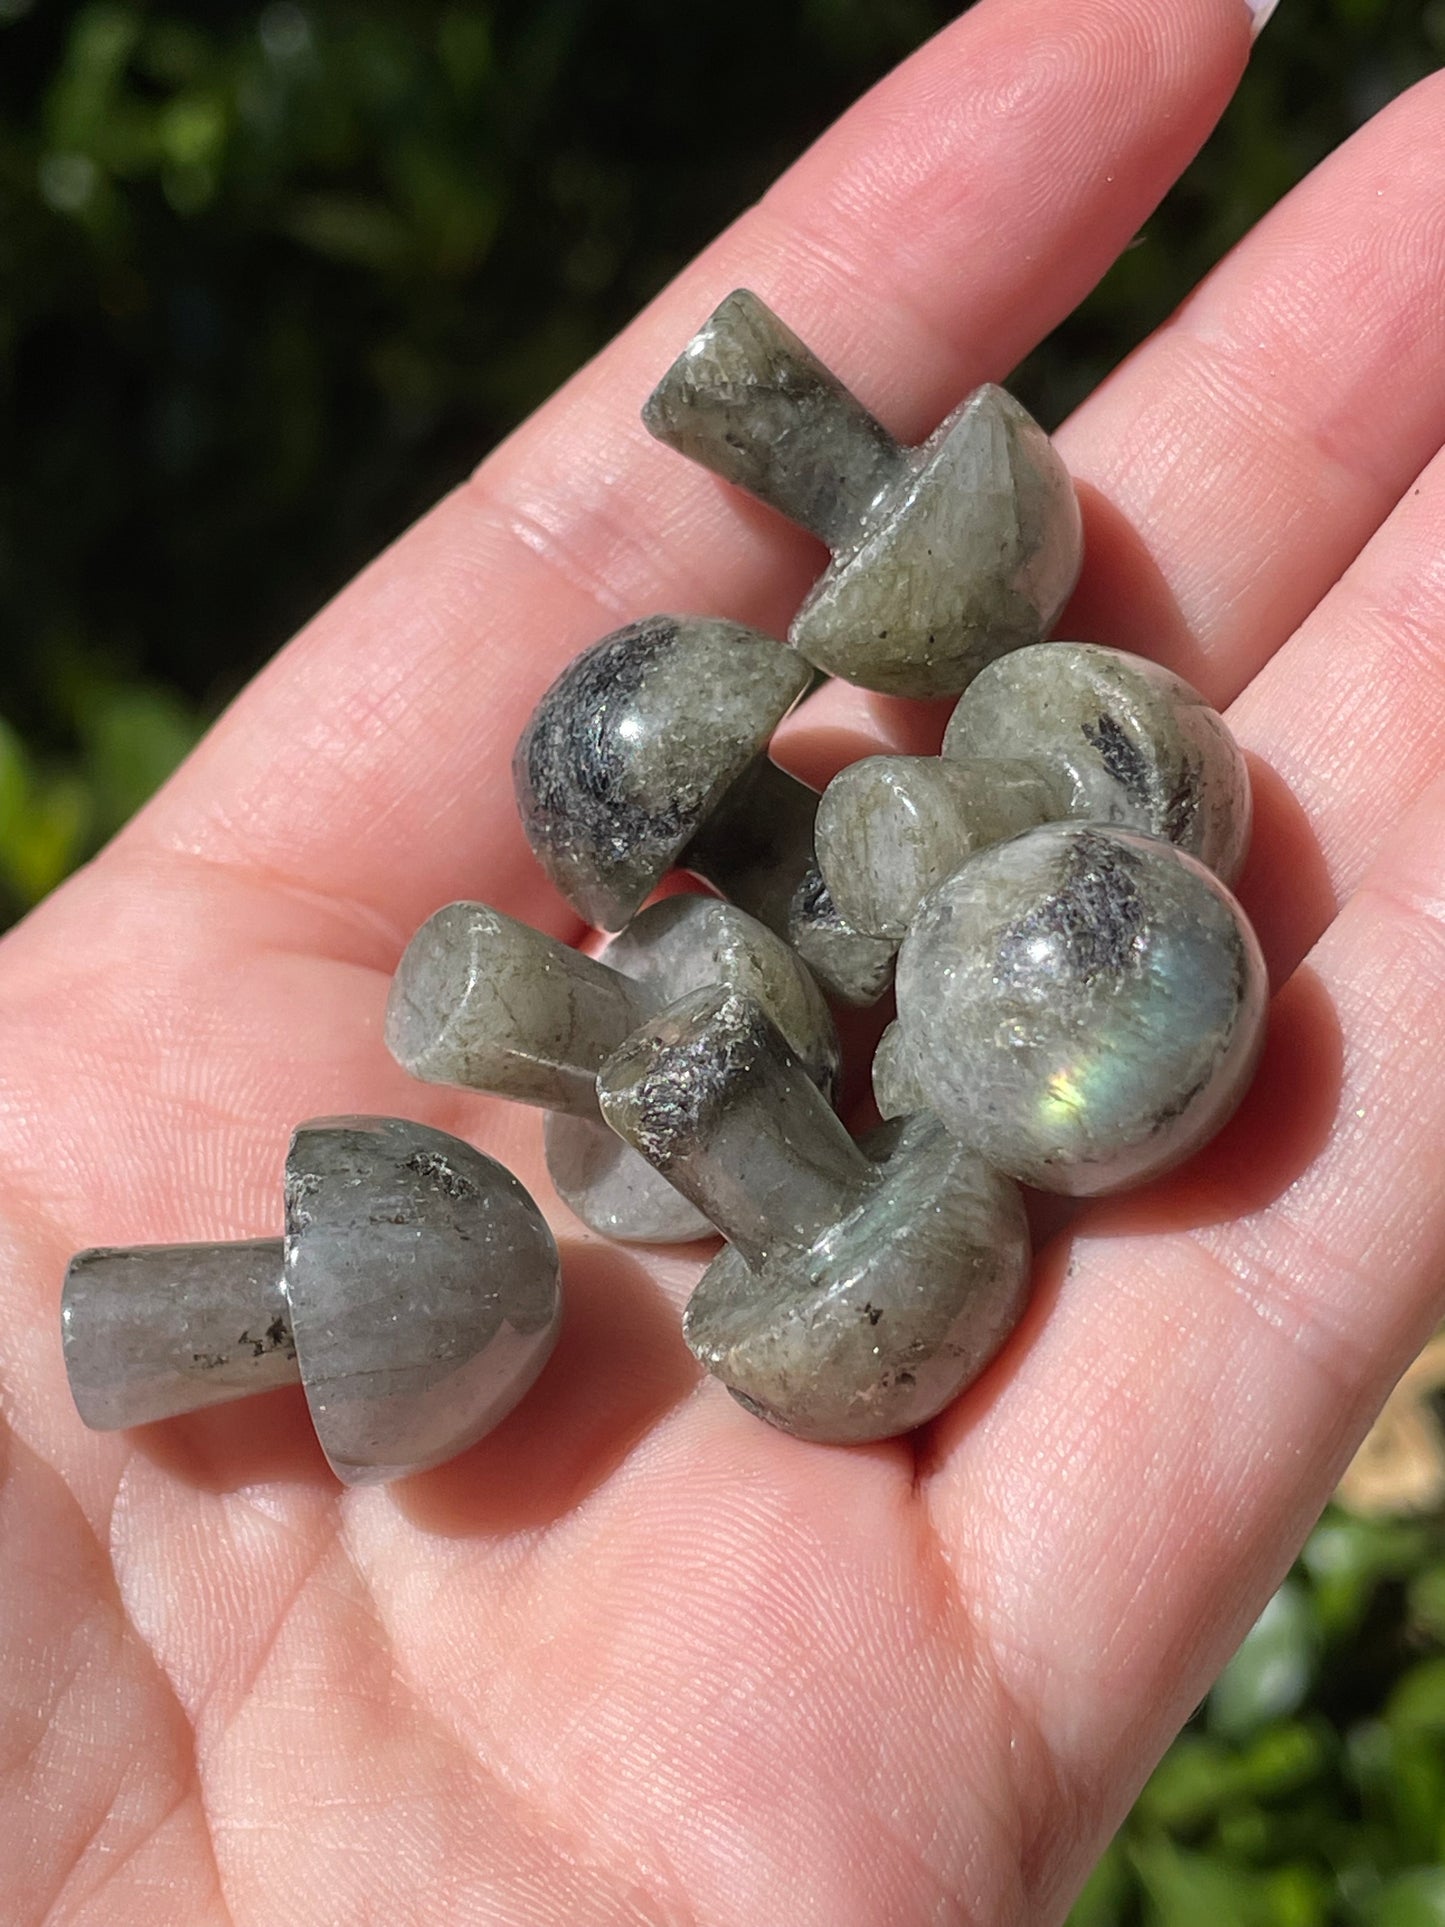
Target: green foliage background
(273, 277)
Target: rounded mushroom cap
(424, 1290)
(1136, 745)
(636, 742)
(683, 944)
(1084, 1006)
(890, 1315)
(973, 554)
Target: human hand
(635, 1656)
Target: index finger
(924, 245)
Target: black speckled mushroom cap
(636, 743)
(1139, 746)
(894, 1310)
(424, 1291)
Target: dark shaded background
(273, 278)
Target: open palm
(636, 1657)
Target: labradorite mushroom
(862, 1288)
(1083, 1006)
(415, 1295)
(944, 556)
(1061, 731)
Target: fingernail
(1261, 9)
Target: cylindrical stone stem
(750, 401)
(757, 846)
(489, 1003)
(711, 1095)
(892, 828)
(156, 1330)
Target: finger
(1239, 461)
(927, 242)
(1235, 465)
(1157, 1443)
(1344, 725)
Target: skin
(683, 1668)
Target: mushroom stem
(491, 1004)
(711, 1094)
(153, 1331)
(747, 399)
(892, 828)
(757, 845)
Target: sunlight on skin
(636, 1658)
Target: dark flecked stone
(490, 1004)
(944, 556)
(1129, 743)
(1060, 731)
(1084, 1006)
(636, 744)
(860, 1292)
(757, 848)
(415, 1294)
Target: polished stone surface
(1134, 744)
(681, 945)
(415, 1294)
(757, 849)
(1060, 731)
(153, 1330)
(944, 556)
(859, 1293)
(636, 744)
(486, 1002)
(1083, 1006)
(892, 828)
(896, 1090)
(852, 967)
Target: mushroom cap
(1135, 743)
(1085, 1006)
(683, 944)
(634, 745)
(424, 1291)
(893, 1311)
(975, 552)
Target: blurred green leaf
(1270, 1674)
(1414, 1900)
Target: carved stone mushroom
(649, 754)
(944, 556)
(415, 1295)
(483, 1001)
(1083, 1006)
(861, 1289)
(1063, 731)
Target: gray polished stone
(1084, 1006)
(415, 1294)
(944, 556)
(636, 744)
(853, 968)
(757, 849)
(859, 1293)
(648, 754)
(483, 1001)
(1060, 731)
(896, 1091)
